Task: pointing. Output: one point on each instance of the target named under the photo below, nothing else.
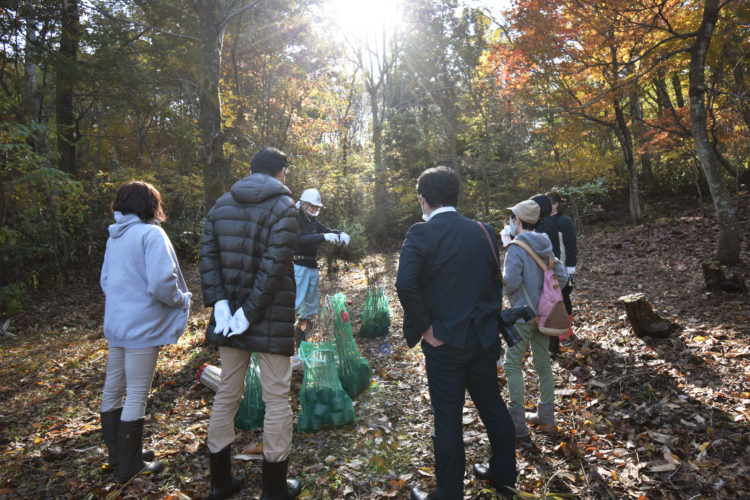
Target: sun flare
(364, 18)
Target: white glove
(186, 300)
(505, 235)
(344, 238)
(331, 237)
(238, 323)
(570, 270)
(222, 315)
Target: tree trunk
(66, 78)
(677, 86)
(215, 167)
(738, 62)
(662, 94)
(377, 143)
(639, 131)
(729, 237)
(626, 144)
(32, 102)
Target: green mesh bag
(252, 410)
(376, 315)
(354, 370)
(323, 401)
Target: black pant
(450, 372)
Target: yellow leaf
(699, 338)
(704, 446)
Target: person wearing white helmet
(311, 233)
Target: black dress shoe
(417, 494)
(483, 472)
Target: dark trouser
(450, 372)
(566, 297)
(554, 342)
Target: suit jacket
(449, 278)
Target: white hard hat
(311, 196)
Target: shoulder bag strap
(494, 253)
(531, 252)
(538, 261)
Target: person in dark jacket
(450, 287)
(562, 233)
(312, 233)
(245, 262)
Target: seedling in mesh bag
(354, 370)
(252, 410)
(376, 314)
(323, 401)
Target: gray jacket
(520, 268)
(146, 296)
(245, 257)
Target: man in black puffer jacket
(245, 262)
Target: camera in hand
(508, 317)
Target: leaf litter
(637, 417)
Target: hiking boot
(518, 415)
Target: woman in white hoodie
(147, 305)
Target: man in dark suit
(450, 287)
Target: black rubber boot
(223, 485)
(275, 484)
(554, 347)
(130, 452)
(110, 425)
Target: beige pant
(276, 376)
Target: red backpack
(552, 318)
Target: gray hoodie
(147, 302)
(520, 268)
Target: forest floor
(637, 417)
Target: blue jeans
(307, 301)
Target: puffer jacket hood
(122, 224)
(257, 188)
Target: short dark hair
(139, 198)
(527, 226)
(555, 197)
(268, 161)
(439, 187)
